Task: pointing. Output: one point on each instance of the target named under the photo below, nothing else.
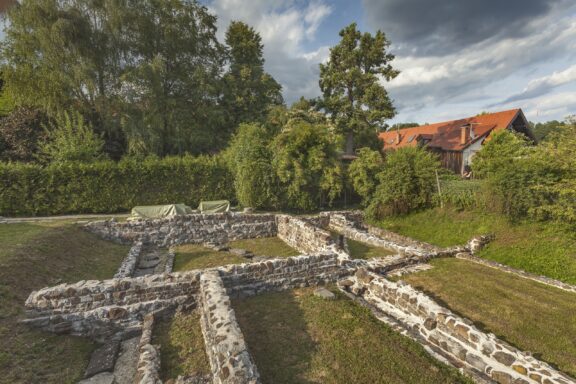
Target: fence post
(439, 190)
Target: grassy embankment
(296, 337)
(193, 256)
(33, 256)
(529, 315)
(532, 316)
(540, 248)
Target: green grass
(360, 250)
(532, 316)
(33, 256)
(181, 346)
(266, 246)
(194, 256)
(296, 337)
(540, 248)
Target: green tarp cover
(157, 211)
(216, 206)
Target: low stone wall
(129, 263)
(193, 228)
(452, 336)
(404, 241)
(304, 236)
(280, 274)
(227, 352)
(350, 229)
(100, 309)
(148, 367)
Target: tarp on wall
(158, 211)
(216, 206)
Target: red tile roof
(446, 135)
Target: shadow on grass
(275, 330)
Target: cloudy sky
(457, 57)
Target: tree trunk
(349, 143)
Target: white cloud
(285, 26)
(472, 72)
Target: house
(457, 141)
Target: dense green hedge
(106, 187)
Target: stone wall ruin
(121, 307)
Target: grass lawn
(33, 256)
(181, 346)
(532, 316)
(540, 248)
(296, 337)
(194, 256)
(266, 246)
(360, 250)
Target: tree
(61, 55)
(20, 134)
(248, 89)
(364, 173)
(407, 183)
(250, 159)
(70, 138)
(172, 80)
(146, 72)
(351, 84)
(307, 163)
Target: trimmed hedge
(108, 187)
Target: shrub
(407, 183)
(70, 138)
(557, 193)
(513, 174)
(250, 161)
(364, 171)
(305, 158)
(107, 187)
(20, 133)
(461, 194)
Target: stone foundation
(148, 355)
(281, 274)
(303, 236)
(193, 229)
(101, 309)
(450, 335)
(120, 307)
(227, 351)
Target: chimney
(464, 134)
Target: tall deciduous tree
(351, 84)
(65, 54)
(149, 71)
(249, 90)
(172, 78)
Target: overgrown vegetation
(34, 256)
(541, 248)
(407, 182)
(527, 314)
(296, 337)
